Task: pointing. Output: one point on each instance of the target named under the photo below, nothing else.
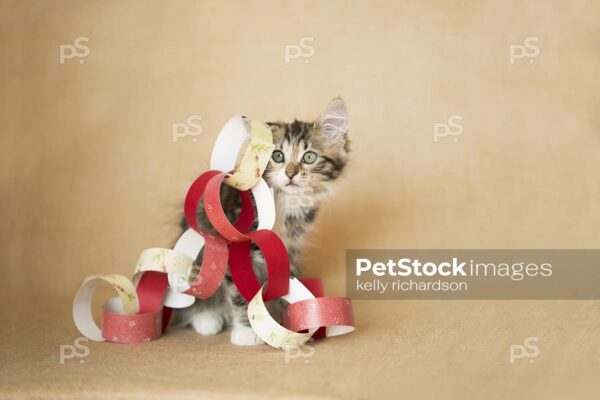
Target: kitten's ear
(334, 121)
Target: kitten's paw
(207, 323)
(245, 336)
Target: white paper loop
(227, 147)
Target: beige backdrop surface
(90, 176)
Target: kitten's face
(309, 155)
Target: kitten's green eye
(277, 156)
(309, 157)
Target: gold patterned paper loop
(124, 288)
(269, 330)
(164, 260)
(255, 159)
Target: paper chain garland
(164, 279)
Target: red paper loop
(214, 262)
(217, 217)
(194, 194)
(276, 258)
(137, 328)
(150, 290)
(315, 286)
(212, 271)
(149, 323)
(319, 312)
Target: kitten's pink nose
(292, 170)
(290, 174)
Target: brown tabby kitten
(308, 158)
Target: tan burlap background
(90, 176)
